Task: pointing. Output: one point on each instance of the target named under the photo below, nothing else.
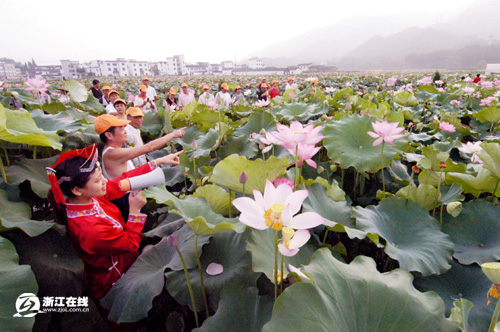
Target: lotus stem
(494, 318)
(6, 154)
(361, 183)
(296, 167)
(202, 286)
(324, 237)
(282, 272)
(441, 217)
(243, 190)
(382, 167)
(34, 152)
(2, 170)
(438, 190)
(276, 252)
(194, 173)
(230, 214)
(191, 294)
(496, 186)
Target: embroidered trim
(137, 218)
(96, 210)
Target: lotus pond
(366, 204)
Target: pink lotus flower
(262, 103)
(304, 152)
(476, 95)
(278, 207)
(441, 90)
(36, 86)
(487, 84)
(385, 132)
(427, 80)
(391, 81)
(447, 127)
(131, 97)
(287, 181)
(212, 104)
(456, 102)
(486, 101)
(293, 240)
(17, 85)
(471, 148)
(290, 137)
(291, 95)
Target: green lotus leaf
(432, 154)
(451, 193)
(356, 297)
(32, 170)
(160, 194)
(131, 298)
(399, 172)
(488, 114)
(462, 282)
(287, 97)
(483, 181)
(57, 267)
(15, 279)
(297, 111)
(405, 98)
(424, 194)
(475, 232)
(206, 119)
(76, 90)
(412, 235)
(202, 219)
(216, 197)
(18, 215)
(241, 308)
(61, 122)
(349, 144)
(227, 172)
(421, 137)
(490, 156)
(17, 126)
(53, 107)
(187, 111)
(261, 244)
(337, 214)
(333, 190)
(241, 146)
(90, 105)
(227, 249)
(205, 142)
(152, 124)
(256, 122)
(460, 313)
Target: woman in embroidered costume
(107, 245)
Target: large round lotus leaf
(483, 181)
(205, 118)
(58, 269)
(256, 122)
(490, 155)
(205, 142)
(475, 232)
(405, 99)
(337, 214)
(152, 124)
(17, 126)
(76, 90)
(488, 114)
(227, 249)
(349, 144)
(412, 235)
(227, 172)
(34, 171)
(18, 215)
(217, 197)
(15, 280)
(261, 244)
(57, 123)
(130, 299)
(424, 194)
(241, 309)
(199, 215)
(461, 281)
(239, 145)
(356, 297)
(297, 111)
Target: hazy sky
(213, 30)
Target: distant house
(262, 71)
(293, 70)
(322, 69)
(493, 68)
(304, 66)
(9, 71)
(255, 63)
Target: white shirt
(206, 98)
(139, 102)
(134, 139)
(185, 99)
(151, 93)
(224, 96)
(110, 108)
(291, 86)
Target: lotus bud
(320, 169)
(454, 208)
(333, 168)
(262, 132)
(492, 271)
(324, 117)
(415, 169)
(443, 156)
(172, 241)
(243, 178)
(194, 146)
(424, 163)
